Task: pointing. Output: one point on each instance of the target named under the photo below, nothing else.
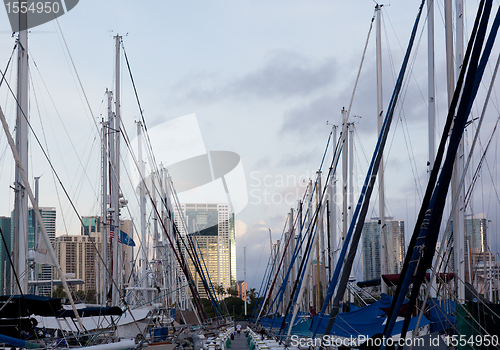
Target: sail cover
(366, 321)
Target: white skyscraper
(210, 232)
(395, 252)
(43, 272)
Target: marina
(170, 230)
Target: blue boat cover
(16, 306)
(278, 321)
(441, 312)
(366, 321)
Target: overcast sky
(262, 77)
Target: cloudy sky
(264, 79)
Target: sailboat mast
(431, 110)
(104, 191)
(431, 116)
(460, 165)
(345, 158)
(380, 119)
(245, 277)
(116, 178)
(156, 247)
(35, 234)
(458, 219)
(21, 200)
(344, 176)
(319, 244)
(351, 171)
(142, 199)
(292, 250)
(333, 212)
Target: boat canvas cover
(278, 321)
(366, 321)
(15, 306)
(441, 314)
(92, 311)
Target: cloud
(284, 74)
(298, 158)
(311, 116)
(262, 162)
(240, 228)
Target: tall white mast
(245, 277)
(286, 262)
(431, 110)
(430, 84)
(321, 240)
(333, 210)
(115, 183)
(345, 180)
(344, 177)
(142, 199)
(460, 248)
(292, 249)
(104, 209)
(458, 219)
(35, 236)
(156, 247)
(380, 118)
(21, 200)
(351, 171)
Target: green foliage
(207, 306)
(235, 306)
(91, 297)
(88, 297)
(59, 292)
(253, 299)
(232, 292)
(220, 290)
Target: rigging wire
(77, 76)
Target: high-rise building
(91, 225)
(476, 237)
(80, 255)
(78, 258)
(395, 247)
(241, 287)
(475, 230)
(210, 231)
(43, 272)
(5, 268)
(40, 272)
